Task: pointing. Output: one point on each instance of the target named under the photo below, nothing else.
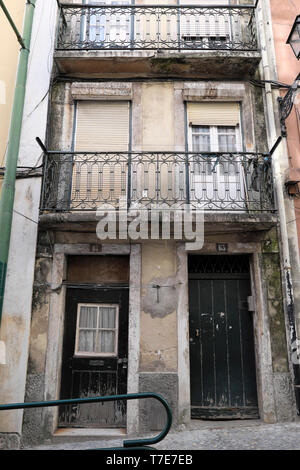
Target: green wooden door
(222, 360)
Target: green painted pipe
(130, 396)
(11, 22)
(8, 187)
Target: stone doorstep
(73, 435)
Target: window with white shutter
(208, 26)
(101, 126)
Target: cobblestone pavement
(208, 436)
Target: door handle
(123, 361)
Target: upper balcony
(157, 40)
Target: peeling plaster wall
(158, 331)
(158, 316)
(34, 423)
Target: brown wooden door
(95, 355)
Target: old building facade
(152, 109)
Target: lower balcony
(213, 182)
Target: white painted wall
(15, 326)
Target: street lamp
(294, 37)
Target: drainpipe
(8, 187)
(280, 199)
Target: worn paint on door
(222, 360)
(95, 355)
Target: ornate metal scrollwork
(153, 27)
(209, 181)
(286, 104)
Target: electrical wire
(274, 83)
(29, 168)
(25, 216)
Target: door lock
(197, 332)
(123, 361)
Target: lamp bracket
(286, 104)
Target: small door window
(97, 330)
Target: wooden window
(97, 330)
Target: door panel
(222, 360)
(88, 369)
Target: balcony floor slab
(213, 222)
(204, 64)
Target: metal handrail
(76, 181)
(90, 6)
(74, 29)
(133, 443)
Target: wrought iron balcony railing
(209, 181)
(152, 27)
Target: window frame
(86, 354)
(214, 139)
(101, 23)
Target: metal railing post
(133, 443)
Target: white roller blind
(213, 114)
(210, 24)
(102, 126)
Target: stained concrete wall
(159, 305)
(278, 330)
(158, 327)
(277, 64)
